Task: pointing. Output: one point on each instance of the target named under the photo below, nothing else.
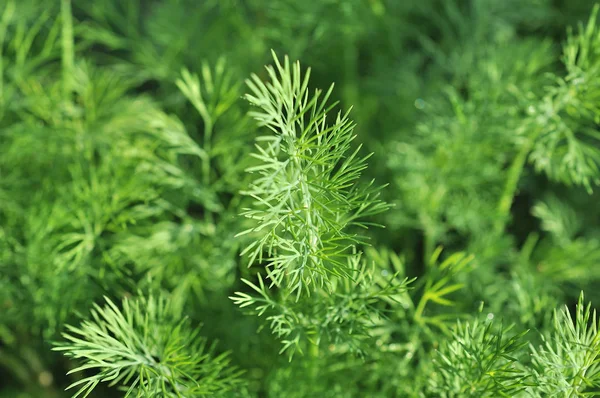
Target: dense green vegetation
(177, 220)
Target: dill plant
(167, 230)
(307, 183)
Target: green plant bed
(177, 220)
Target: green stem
(207, 145)
(420, 308)
(313, 353)
(314, 350)
(307, 201)
(351, 74)
(206, 167)
(68, 56)
(512, 182)
(428, 243)
(418, 315)
(6, 17)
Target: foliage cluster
(178, 221)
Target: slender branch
(68, 55)
(6, 17)
(512, 182)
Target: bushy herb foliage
(178, 221)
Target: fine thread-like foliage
(341, 321)
(133, 158)
(307, 201)
(483, 360)
(567, 116)
(480, 361)
(149, 349)
(567, 364)
(307, 195)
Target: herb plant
(177, 220)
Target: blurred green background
(101, 191)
